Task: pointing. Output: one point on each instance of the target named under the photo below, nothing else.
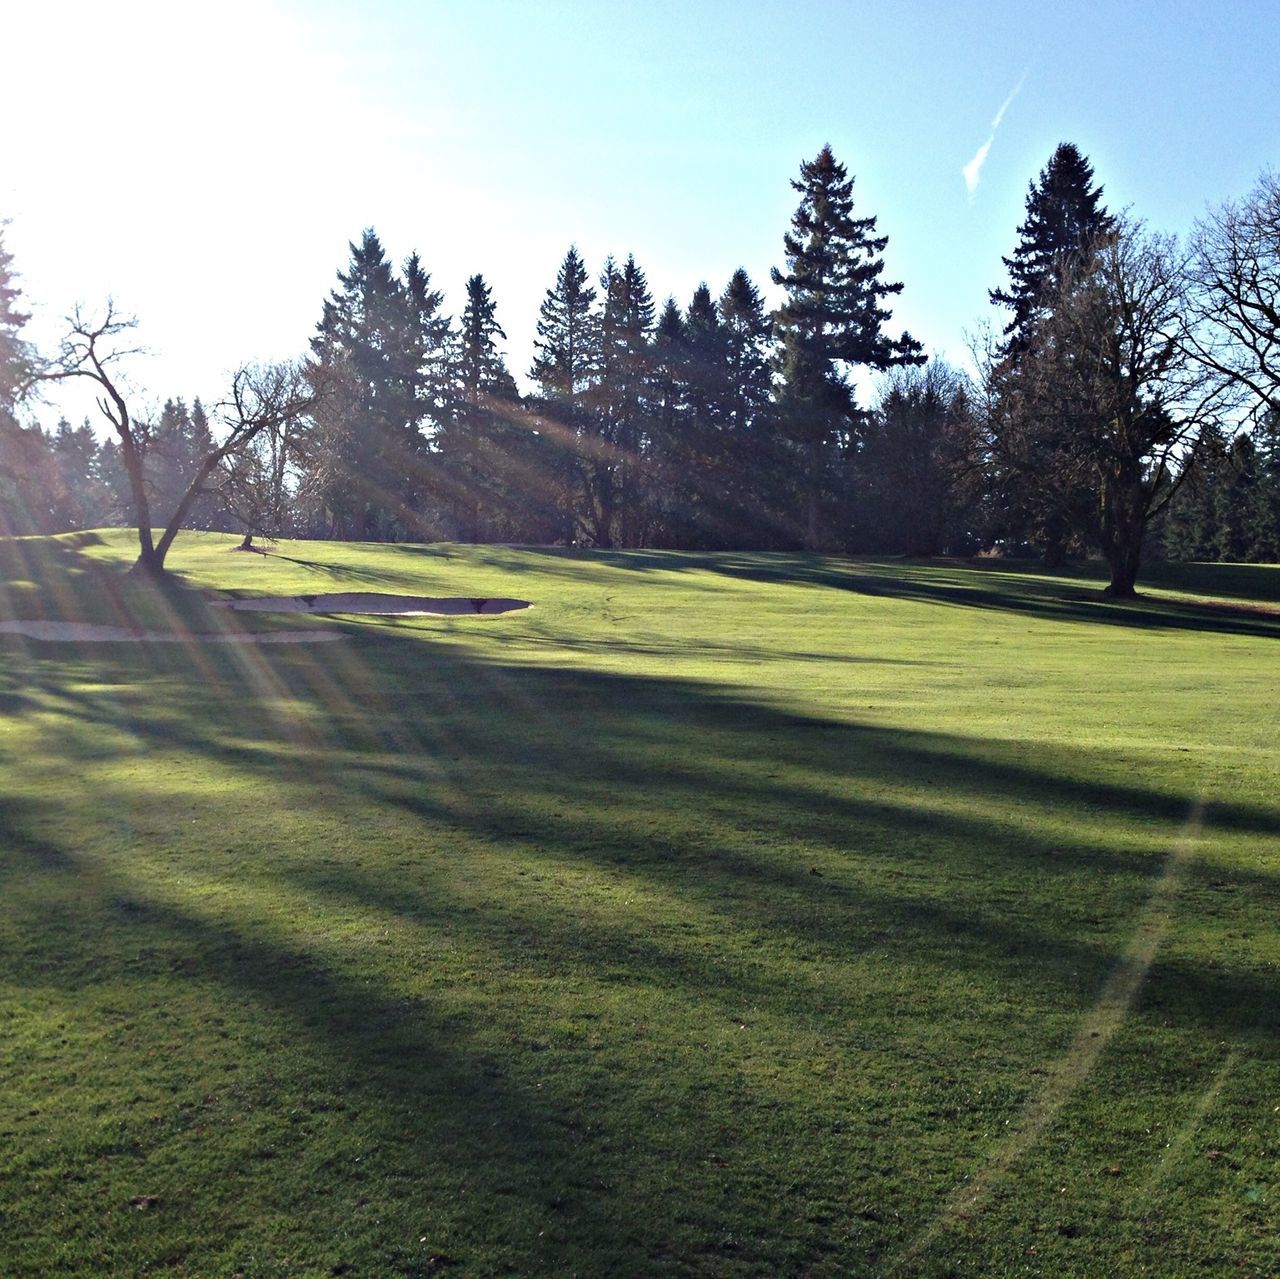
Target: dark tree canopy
(1112, 408)
(833, 317)
(1065, 217)
(381, 352)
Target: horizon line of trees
(1130, 402)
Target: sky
(207, 165)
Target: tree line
(1127, 402)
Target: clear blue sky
(206, 165)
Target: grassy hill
(727, 914)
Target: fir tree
(746, 338)
(564, 365)
(477, 444)
(16, 356)
(565, 345)
(1065, 219)
(758, 454)
(20, 451)
(1065, 222)
(617, 426)
(380, 353)
(833, 318)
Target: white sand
(371, 602)
(87, 631)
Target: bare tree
(261, 398)
(1108, 402)
(258, 484)
(1234, 293)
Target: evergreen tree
(1189, 529)
(380, 355)
(669, 358)
(615, 430)
(910, 485)
(565, 346)
(22, 454)
(564, 365)
(16, 356)
(757, 455)
(746, 338)
(80, 500)
(1065, 219)
(175, 446)
(705, 465)
(1065, 222)
(833, 318)
(479, 442)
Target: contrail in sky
(973, 170)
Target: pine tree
(380, 354)
(565, 345)
(669, 359)
(910, 470)
(80, 501)
(833, 318)
(564, 364)
(20, 451)
(746, 335)
(1065, 222)
(617, 425)
(1065, 219)
(477, 443)
(15, 354)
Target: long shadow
(838, 788)
(1015, 589)
(417, 1079)
(999, 587)
(806, 864)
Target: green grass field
(726, 915)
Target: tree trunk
(1124, 520)
(1124, 573)
(145, 564)
(813, 535)
(179, 516)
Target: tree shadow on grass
(881, 898)
(1013, 588)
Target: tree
(565, 362)
(16, 356)
(758, 458)
(1234, 294)
(1065, 220)
(258, 484)
(1228, 505)
(746, 339)
(479, 442)
(913, 469)
(175, 444)
(617, 427)
(833, 318)
(259, 397)
(1108, 363)
(20, 449)
(380, 351)
(79, 497)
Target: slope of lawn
(726, 914)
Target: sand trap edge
(375, 604)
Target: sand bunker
(68, 632)
(371, 602)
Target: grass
(720, 915)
